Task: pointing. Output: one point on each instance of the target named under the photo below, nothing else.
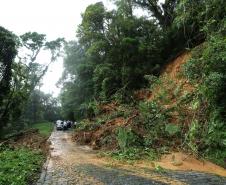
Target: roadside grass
(44, 128)
(22, 166)
(19, 166)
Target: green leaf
(172, 129)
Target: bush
(152, 114)
(87, 125)
(126, 138)
(207, 71)
(135, 153)
(129, 154)
(19, 166)
(172, 129)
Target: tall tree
(8, 52)
(114, 51)
(163, 12)
(20, 78)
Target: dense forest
(113, 78)
(22, 103)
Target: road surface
(72, 164)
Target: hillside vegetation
(143, 86)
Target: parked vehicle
(69, 125)
(65, 125)
(59, 125)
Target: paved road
(71, 164)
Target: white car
(59, 125)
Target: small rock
(177, 163)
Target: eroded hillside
(161, 122)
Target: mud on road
(72, 164)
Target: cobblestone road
(71, 164)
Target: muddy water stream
(72, 164)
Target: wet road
(72, 164)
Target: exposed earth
(70, 164)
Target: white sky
(55, 18)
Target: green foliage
(206, 70)
(122, 110)
(126, 138)
(135, 153)
(19, 166)
(154, 118)
(8, 52)
(192, 136)
(44, 128)
(163, 12)
(107, 64)
(205, 16)
(152, 114)
(19, 79)
(151, 154)
(172, 129)
(33, 40)
(86, 125)
(41, 107)
(105, 82)
(127, 155)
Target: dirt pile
(172, 89)
(171, 78)
(31, 139)
(142, 94)
(102, 137)
(108, 108)
(185, 162)
(173, 68)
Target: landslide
(173, 93)
(172, 89)
(101, 131)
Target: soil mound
(31, 139)
(102, 137)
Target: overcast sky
(55, 18)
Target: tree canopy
(116, 49)
(21, 74)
